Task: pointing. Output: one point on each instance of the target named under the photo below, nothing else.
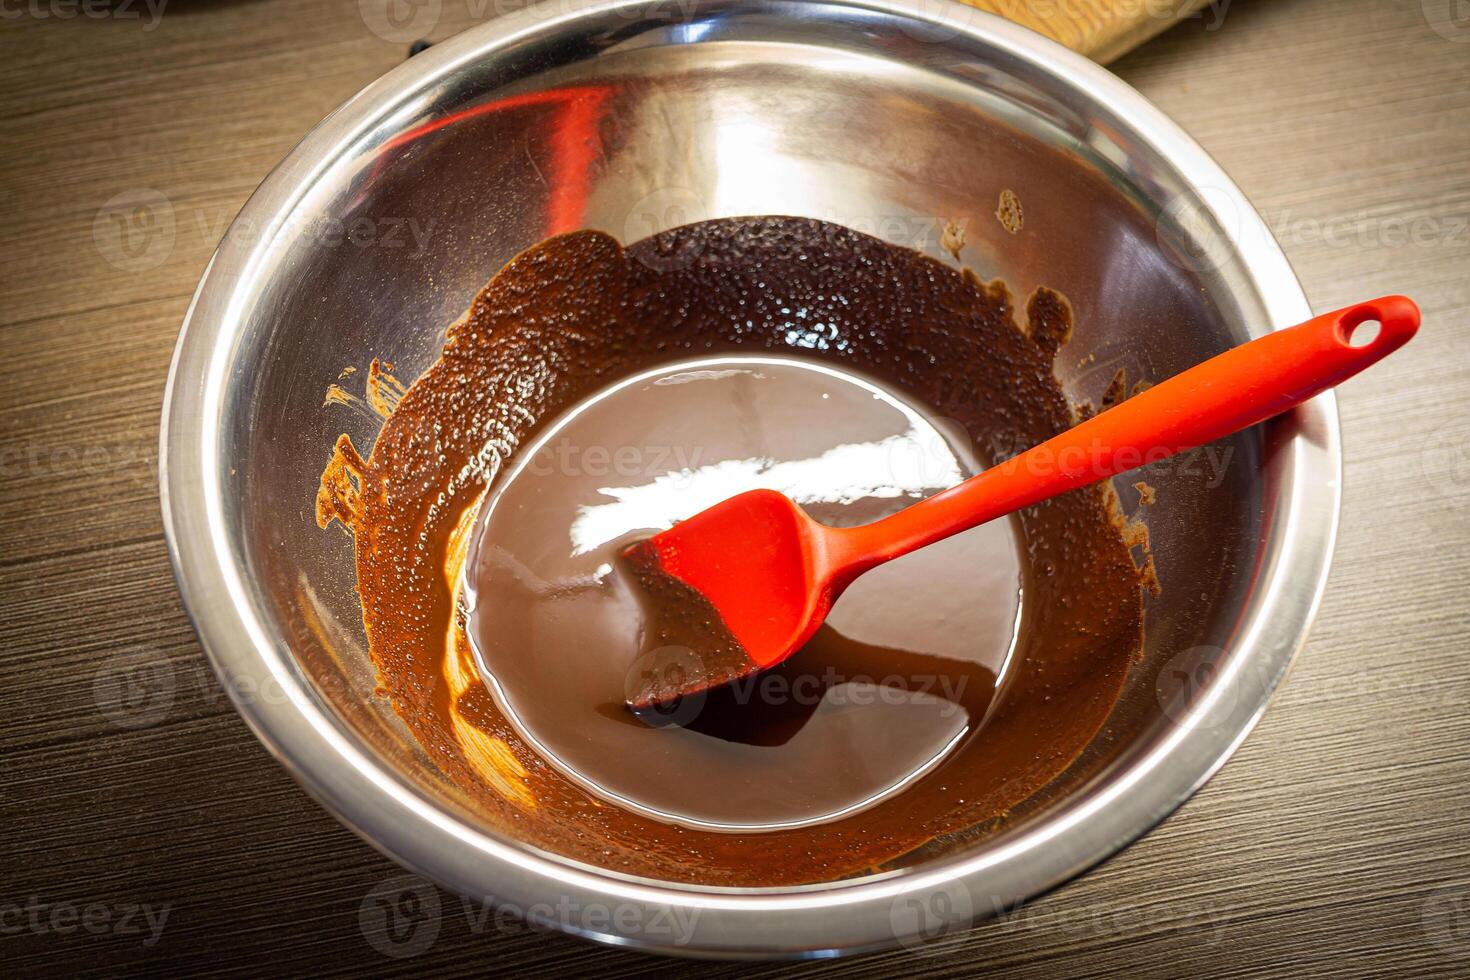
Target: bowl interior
(634, 123)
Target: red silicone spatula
(772, 573)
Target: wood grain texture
(1102, 29)
(1332, 843)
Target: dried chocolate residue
(383, 389)
(1050, 318)
(1117, 390)
(1009, 213)
(953, 239)
(339, 495)
(338, 395)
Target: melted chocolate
(541, 345)
(561, 624)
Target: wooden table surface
(1335, 840)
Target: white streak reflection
(915, 463)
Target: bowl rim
(822, 919)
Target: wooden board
(1103, 29)
(1333, 841)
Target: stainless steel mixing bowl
(892, 117)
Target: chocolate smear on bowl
(463, 554)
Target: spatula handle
(1227, 393)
